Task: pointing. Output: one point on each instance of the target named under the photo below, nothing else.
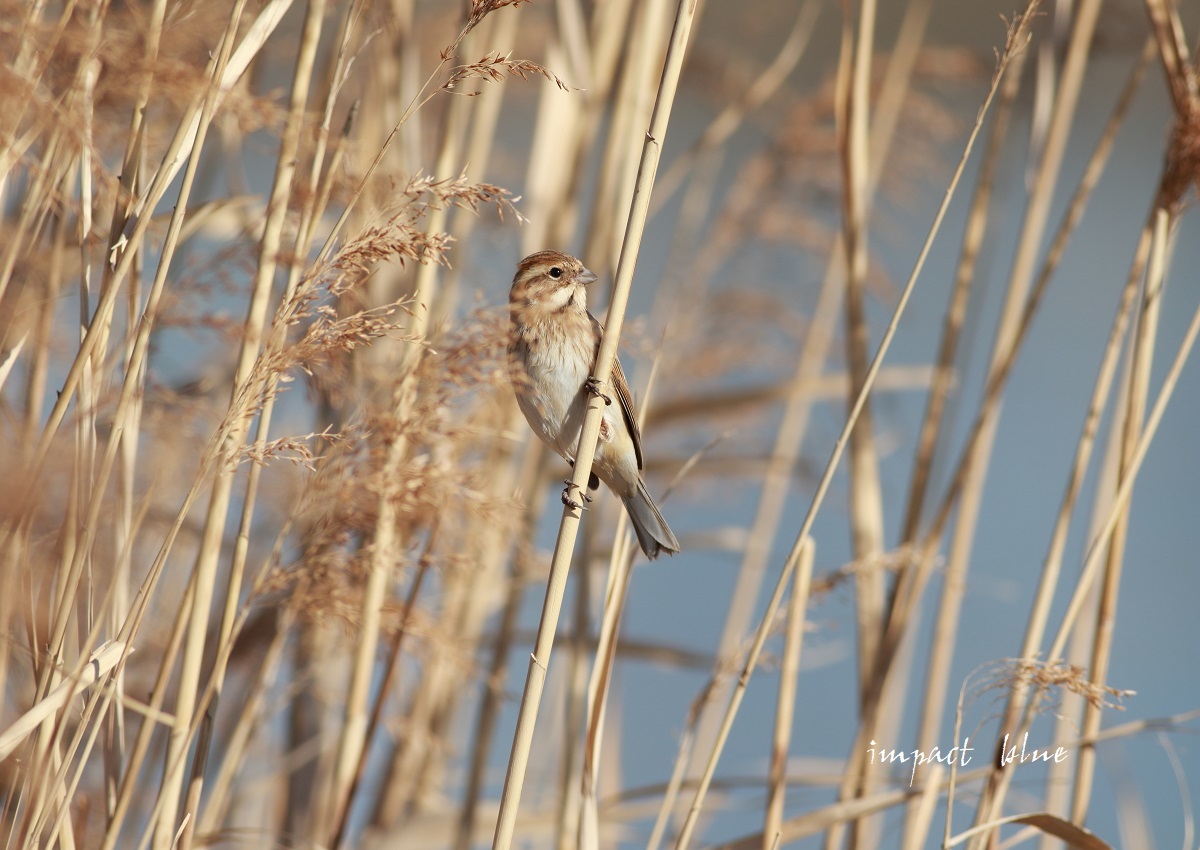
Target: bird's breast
(551, 360)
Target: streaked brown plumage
(552, 345)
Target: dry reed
(274, 522)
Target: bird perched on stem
(552, 345)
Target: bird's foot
(593, 480)
(569, 501)
(593, 387)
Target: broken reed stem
(52, 785)
(1016, 41)
(569, 526)
(37, 782)
(98, 665)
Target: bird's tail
(653, 534)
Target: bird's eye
(556, 272)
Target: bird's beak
(585, 277)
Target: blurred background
(276, 537)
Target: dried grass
(267, 482)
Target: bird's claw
(593, 387)
(570, 502)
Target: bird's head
(550, 281)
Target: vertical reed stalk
(945, 634)
(270, 247)
(167, 830)
(1016, 40)
(1098, 545)
(568, 528)
(411, 518)
(1142, 357)
(785, 453)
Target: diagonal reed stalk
(1017, 38)
(800, 399)
(307, 685)
(569, 526)
(941, 652)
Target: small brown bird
(552, 345)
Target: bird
(552, 346)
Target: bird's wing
(618, 382)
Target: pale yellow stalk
(539, 660)
(1016, 40)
